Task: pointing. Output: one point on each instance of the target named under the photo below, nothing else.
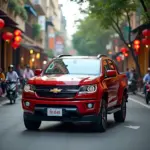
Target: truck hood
(64, 80)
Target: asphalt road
(56, 136)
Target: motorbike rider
(28, 73)
(146, 79)
(12, 75)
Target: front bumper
(76, 110)
(64, 118)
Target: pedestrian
(128, 73)
(28, 73)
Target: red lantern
(146, 41)
(146, 32)
(136, 46)
(118, 58)
(123, 50)
(15, 45)
(137, 51)
(17, 33)
(126, 54)
(136, 42)
(18, 39)
(2, 23)
(7, 36)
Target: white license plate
(54, 112)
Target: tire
(147, 99)
(32, 125)
(120, 116)
(101, 124)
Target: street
(133, 134)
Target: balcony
(28, 30)
(40, 6)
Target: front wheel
(147, 98)
(120, 116)
(32, 125)
(101, 124)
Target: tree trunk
(145, 9)
(136, 62)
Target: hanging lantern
(18, 39)
(123, 50)
(126, 54)
(137, 51)
(136, 46)
(146, 32)
(15, 45)
(146, 41)
(17, 33)
(118, 58)
(136, 42)
(2, 23)
(38, 55)
(7, 36)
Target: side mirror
(38, 72)
(111, 73)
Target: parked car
(75, 89)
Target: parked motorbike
(11, 91)
(147, 92)
(132, 86)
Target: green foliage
(36, 31)
(18, 9)
(90, 39)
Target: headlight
(88, 89)
(28, 88)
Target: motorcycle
(132, 86)
(147, 92)
(11, 91)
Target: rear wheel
(121, 115)
(32, 125)
(101, 124)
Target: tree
(90, 39)
(114, 14)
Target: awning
(30, 9)
(8, 21)
(33, 47)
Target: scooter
(11, 91)
(132, 86)
(147, 93)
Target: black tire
(147, 99)
(120, 116)
(32, 125)
(101, 124)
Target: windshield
(74, 66)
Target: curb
(141, 95)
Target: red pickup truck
(75, 89)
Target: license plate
(54, 112)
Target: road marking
(139, 103)
(133, 127)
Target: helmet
(11, 66)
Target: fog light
(27, 104)
(90, 105)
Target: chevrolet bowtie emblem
(55, 90)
